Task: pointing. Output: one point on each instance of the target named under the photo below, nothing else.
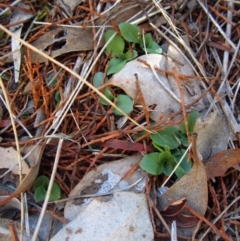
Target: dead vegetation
(52, 102)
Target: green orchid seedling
(40, 189)
(171, 143)
(132, 34)
(123, 102)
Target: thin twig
(49, 190)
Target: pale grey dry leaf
(5, 233)
(12, 204)
(71, 3)
(124, 216)
(78, 39)
(18, 16)
(35, 159)
(39, 118)
(152, 91)
(9, 160)
(213, 134)
(191, 89)
(106, 177)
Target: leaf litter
(88, 122)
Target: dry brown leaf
(218, 164)
(28, 180)
(78, 39)
(193, 187)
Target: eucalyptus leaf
(166, 137)
(151, 163)
(125, 103)
(115, 65)
(116, 45)
(130, 32)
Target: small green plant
(57, 97)
(124, 102)
(171, 143)
(132, 34)
(40, 189)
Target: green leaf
(40, 181)
(192, 117)
(116, 45)
(166, 137)
(130, 32)
(115, 65)
(125, 103)
(97, 82)
(151, 163)
(40, 194)
(159, 148)
(108, 94)
(154, 49)
(40, 187)
(139, 134)
(129, 55)
(55, 192)
(148, 41)
(167, 162)
(183, 138)
(98, 79)
(185, 165)
(57, 97)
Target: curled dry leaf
(35, 157)
(105, 178)
(192, 186)
(173, 213)
(218, 164)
